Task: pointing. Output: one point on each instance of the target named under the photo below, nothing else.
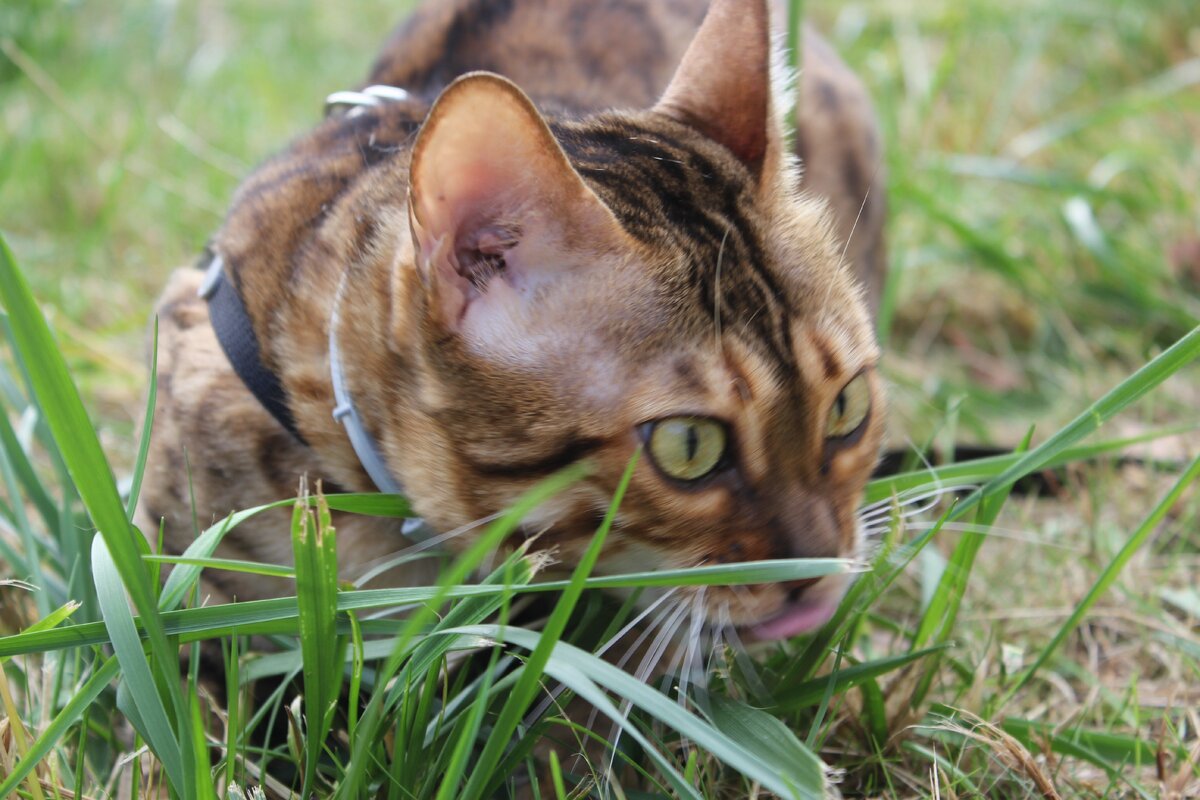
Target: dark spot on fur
(278, 459)
(685, 370)
(829, 96)
(561, 455)
(828, 362)
(852, 177)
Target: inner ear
(494, 197)
(480, 251)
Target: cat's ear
(723, 84)
(495, 206)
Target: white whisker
(392, 560)
(694, 632)
(1009, 534)
(653, 656)
(857, 217)
(658, 620)
(558, 690)
(635, 621)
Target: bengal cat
(609, 248)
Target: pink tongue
(793, 620)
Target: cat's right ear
(496, 208)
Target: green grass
(1042, 164)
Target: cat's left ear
(496, 208)
(723, 86)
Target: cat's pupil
(839, 406)
(693, 443)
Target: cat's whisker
(633, 623)
(1009, 534)
(382, 564)
(907, 506)
(652, 658)
(857, 217)
(694, 632)
(604, 648)
(655, 623)
(660, 643)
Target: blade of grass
(151, 719)
(1106, 578)
(314, 545)
(452, 577)
(522, 694)
(976, 470)
(183, 577)
(92, 477)
(769, 739)
(221, 620)
(57, 729)
(31, 486)
(139, 464)
(586, 674)
(1164, 365)
(810, 692)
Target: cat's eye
(686, 448)
(849, 409)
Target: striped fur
(707, 284)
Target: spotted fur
(623, 266)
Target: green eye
(686, 448)
(849, 409)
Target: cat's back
(577, 55)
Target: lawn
(1044, 240)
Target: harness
(234, 331)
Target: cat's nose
(796, 589)
(808, 528)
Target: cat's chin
(795, 618)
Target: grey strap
(364, 446)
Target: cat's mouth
(795, 618)
(802, 612)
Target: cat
(520, 273)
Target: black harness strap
(236, 335)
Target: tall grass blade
(75, 436)
(150, 718)
(139, 464)
(523, 693)
(352, 784)
(314, 546)
(1163, 366)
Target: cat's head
(582, 288)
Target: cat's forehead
(727, 257)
